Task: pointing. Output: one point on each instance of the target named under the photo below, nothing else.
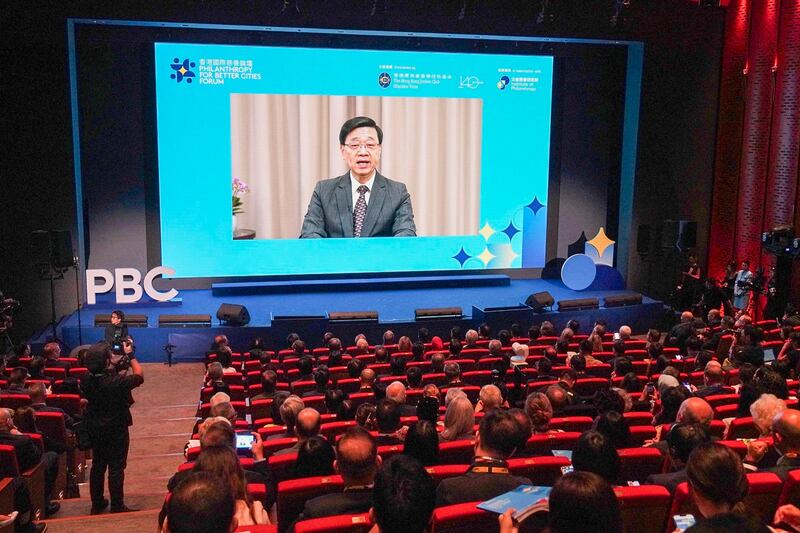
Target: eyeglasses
(358, 146)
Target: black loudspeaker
(184, 321)
(669, 234)
(576, 305)
(133, 321)
(40, 248)
(438, 312)
(539, 300)
(687, 235)
(353, 316)
(52, 248)
(623, 300)
(233, 315)
(62, 255)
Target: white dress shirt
(355, 184)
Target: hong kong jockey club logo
(182, 71)
(384, 80)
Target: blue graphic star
(535, 205)
(462, 256)
(511, 230)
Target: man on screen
(362, 202)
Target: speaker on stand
(52, 255)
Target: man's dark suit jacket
(28, 453)
(330, 211)
(387, 440)
(783, 467)
(474, 486)
(670, 480)
(347, 502)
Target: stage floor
(395, 308)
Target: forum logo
(182, 70)
(384, 79)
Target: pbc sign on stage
(128, 284)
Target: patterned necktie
(360, 211)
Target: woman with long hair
(459, 420)
(718, 480)
(223, 462)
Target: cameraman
(118, 329)
(107, 419)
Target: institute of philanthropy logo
(384, 79)
(503, 83)
(182, 71)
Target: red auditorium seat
(726, 411)
(389, 450)
(315, 402)
(735, 445)
(349, 523)
(34, 477)
(331, 430)
(55, 373)
(301, 387)
(742, 428)
(268, 432)
(273, 445)
(717, 428)
(636, 418)
(361, 397)
(641, 434)
(474, 353)
(292, 495)
(78, 372)
(14, 401)
(544, 444)
(282, 466)
(440, 472)
(456, 452)
(542, 471)
(237, 393)
(69, 403)
(488, 363)
(348, 385)
(572, 423)
(682, 503)
(256, 529)
(588, 386)
(765, 491)
(638, 463)
(791, 489)
(235, 378)
(462, 517)
(722, 399)
(478, 378)
(643, 509)
(260, 409)
(599, 371)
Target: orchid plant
(239, 187)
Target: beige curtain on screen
(282, 145)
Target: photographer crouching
(108, 390)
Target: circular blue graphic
(578, 272)
(384, 80)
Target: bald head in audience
(367, 378)
(625, 333)
(695, 411)
(490, 397)
(201, 503)
(786, 431)
(713, 374)
(396, 391)
(308, 422)
(357, 458)
(558, 397)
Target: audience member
(315, 457)
(786, 438)
(387, 417)
(201, 503)
(540, 412)
(713, 377)
(367, 380)
(614, 426)
(717, 480)
(365, 417)
(681, 440)
(422, 443)
(403, 497)
(459, 420)
(489, 398)
(306, 426)
(488, 474)
(223, 462)
(428, 409)
(594, 452)
(396, 392)
(357, 461)
(269, 383)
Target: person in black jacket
(107, 419)
(117, 330)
